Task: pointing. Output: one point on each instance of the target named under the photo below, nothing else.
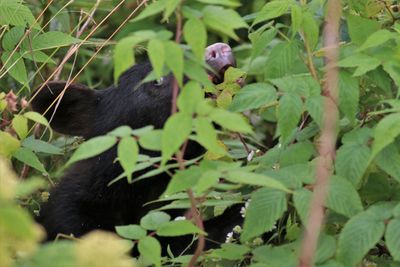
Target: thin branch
(178, 35)
(310, 62)
(327, 147)
(180, 154)
(246, 147)
(199, 222)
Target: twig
(246, 147)
(179, 155)
(327, 146)
(199, 222)
(178, 35)
(310, 62)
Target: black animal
(83, 201)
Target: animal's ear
(75, 113)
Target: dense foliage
(263, 152)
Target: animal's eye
(159, 82)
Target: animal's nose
(219, 56)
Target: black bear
(83, 201)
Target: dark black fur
(82, 201)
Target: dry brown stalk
(22, 39)
(72, 51)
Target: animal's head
(86, 112)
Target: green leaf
(15, 66)
(358, 236)
(261, 41)
(178, 228)
(377, 38)
(190, 97)
(302, 84)
(38, 56)
(26, 156)
(272, 10)
(155, 50)
(297, 153)
(195, 35)
(289, 113)
(253, 96)
(92, 147)
(37, 117)
(364, 63)
(207, 180)
(385, 133)
(151, 10)
(176, 130)
(53, 39)
(173, 50)
(251, 178)
(142, 131)
(17, 223)
(361, 28)
(352, 162)
(9, 144)
(326, 248)
(382, 211)
(301, 199)
(122, 131)
(310, 29)
(194, 71)
(20, 125)
(388, 160)
(315, 106)
(170, 6)
(392, 238)
(296, 17)
(183, 180)
(343, 197)
(12, 37)
(127, 155)
(229, 3)
(266, 206)
(231, 121)
(153, 220)
(29, 187)
(391, 67)
(151, 140)
(230, 251)
(282, 256)
(123, 55)
(207, 136)
(212, 17)
(360, 136)
(132, 231)
(55, 254)
(281, 60)
(14, 12)
(150, 249)
(349, 95)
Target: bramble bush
(262, 154)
